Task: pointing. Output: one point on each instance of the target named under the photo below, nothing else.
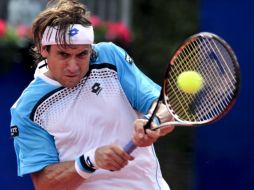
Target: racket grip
(130, 147)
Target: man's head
(60, 15)
(63, 35)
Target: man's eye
(83, 54)
(62, 54)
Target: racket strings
(208, 57)
(184, 57)
(180, 100)
(229, 76)
(224, 59)
(192, 57)
(212, 74)
(226, 83)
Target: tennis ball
(190, 82)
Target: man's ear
(44, 51)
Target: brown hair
(60, 14)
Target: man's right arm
(65, 176)
(57, 176)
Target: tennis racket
(210, 56)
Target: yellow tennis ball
(190, 82)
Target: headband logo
(73, 32)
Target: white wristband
(85, 164)
(81, 172)
(89, 158)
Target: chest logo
(96, 88)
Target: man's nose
(72, 65)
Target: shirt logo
(94, 56)
(128, 59)
(73, 32)
(96, 88)
(14, 131)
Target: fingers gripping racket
(215, 61)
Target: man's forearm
(57, 176)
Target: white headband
(77, 34)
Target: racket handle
(130, 147)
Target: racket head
(213, 58)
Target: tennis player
(85, 103)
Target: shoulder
(105, 46)
(32, 94)
(108, 49)
(108, 52)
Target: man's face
(67, 65)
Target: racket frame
(163, 97)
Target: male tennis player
(84, 104)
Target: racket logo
(217, 61)
(96, 88)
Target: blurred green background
(159, 28)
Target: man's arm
(64, 175)
(57, 176)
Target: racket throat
(153, 117)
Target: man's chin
(70, 84)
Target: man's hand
(111, 157)
(142, 138)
